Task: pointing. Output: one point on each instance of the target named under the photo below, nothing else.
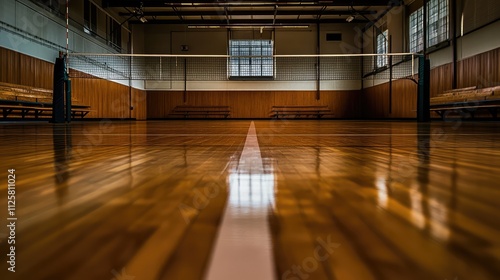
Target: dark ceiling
(253, 12)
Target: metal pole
(390, 73)
(453, 31)
(185, 81)
(425, 28)
(318, 68)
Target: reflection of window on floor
(251, 58)
(254, 191)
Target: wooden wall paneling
(249, 104)
(161, 103)
(27, 71)
(140, 104)
(3, 64)
(376, 101)
(107, 99)
(344, 104)
(111, 100)
(441, 79)
(11, 67)
(254, 104)
(404, 99)
(482, 70)
(305, 98)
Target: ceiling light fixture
(350, 18)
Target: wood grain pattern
(482, 70)
(113, 100)
(377, 104)
(394, 200)
(254, 104)
(107, 99)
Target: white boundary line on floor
(243, 248)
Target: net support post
(423, 95)
(58, 91)
(68, 99)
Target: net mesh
(220, 68)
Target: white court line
(277, 134)
(243, 248)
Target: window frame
(416, 42)
(90, 18)
(440, 23)
(251, 64)
(114, 34)
(382, 47)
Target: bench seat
(20, 100)
(187, 111)
(467, 101)
(296, 111)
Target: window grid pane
(437, 22)
(382, 48)
(417, 31)
(437, 25)
(251, 58)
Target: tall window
(417, 31)
(251, 58)
(382, 48)
(114, 34)
(437, 21)
(55, 6)
(437, 25)
(89, 17)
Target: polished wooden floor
(349, 199)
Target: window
(437, 25)
(89, 18)
(114, 34)
(382, 48)
(416, 31)
(251, 58)
(437, 22)
(55, 6)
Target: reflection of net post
(423, 98)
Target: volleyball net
(224, 67)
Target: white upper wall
(167, 39)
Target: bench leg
(493, 112)
(441, 114)
(6, 112)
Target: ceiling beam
(250, 3)
(253, 22)
(254, 13)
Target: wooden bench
(187, 111)
(23, 111)
(297, 111)
(19, 100)
(467, 101)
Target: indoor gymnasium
(238, 140)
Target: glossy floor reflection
(340, 199)
(243, 249)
